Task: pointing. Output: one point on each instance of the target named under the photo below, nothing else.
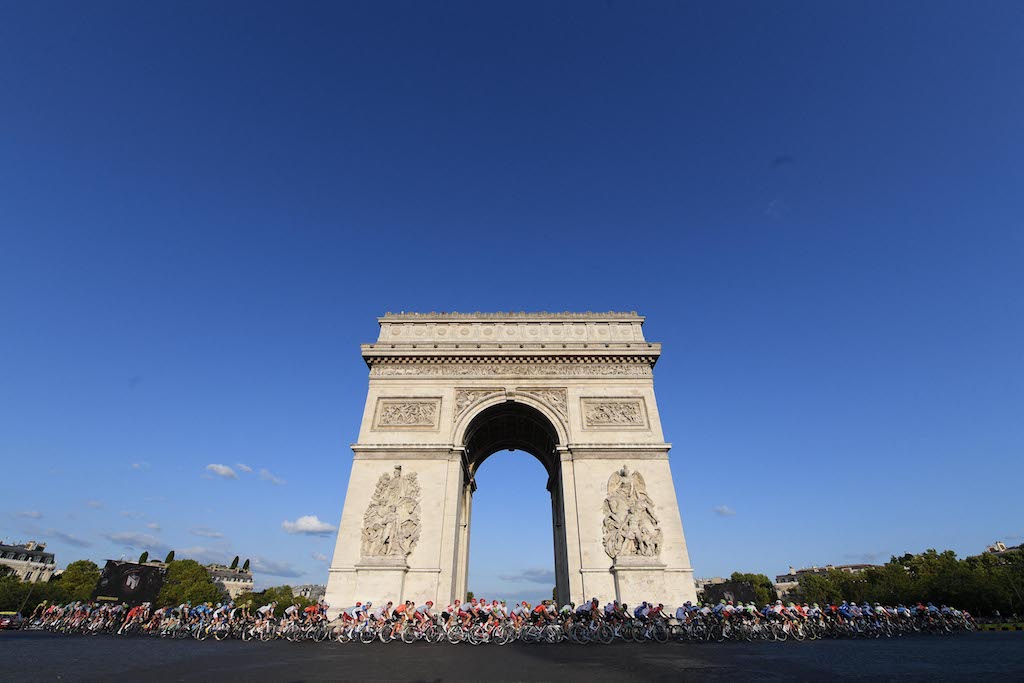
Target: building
(234, 582)
(446, 391)
(310, 591)
(28, 560)
(701, 584)
(1000, 548)
(784, 583)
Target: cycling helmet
(430, 602)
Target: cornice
(517, 316)
(579, 353)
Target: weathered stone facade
(447, 390)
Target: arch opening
(514, 426)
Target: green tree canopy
(144, 557)
(79, 579)
(245, 567)
(283, 595)
(980, 584)
(187, 580)
(169, 558)
(764, 589)
(234, 562)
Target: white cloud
(265, 475)
(724, 511)
(244, 468)
(307, 524)
(206, 533)
(154, 526)
(202, 555)
(29, 514)
(319, 557)
(137, 541)
(94, 504)
(221, 471)
(68, 538)
(140, 465)
(537, 575)
(275, 568)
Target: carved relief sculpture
(464, 398)
(630, 525)
(553, 397)
(613, 413)
(391, 525)
(408, 414)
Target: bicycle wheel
(659, 632)
(605, 634)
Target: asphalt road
(41, 656)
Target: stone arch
(500, 398)
(522, 423)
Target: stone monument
(446, 391)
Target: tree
(169, 558)
(245, 567)
(234, 562)
(764, 589)
(79, 579)
(144, 557)
(282, 595)
(187, 580)
(469, 596)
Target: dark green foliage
(245, 567)
(283, 595)
(979, 584)
(187, 580)
(75, 583)
(234, 562)
(144, 557)
(764, 589)
(169, 558)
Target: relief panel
(614, 413)
(407, 413)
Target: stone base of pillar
(379, 579)
(638, 579)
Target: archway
(448, 390)
(514, 426)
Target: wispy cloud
(308, 524)
(140, 465)
(131, 515)
(275, 568)
(243, 468)
(202, 555)
(29, 514)
(205, 532)
(136, 541)
(68, 538)
(94, 504)
(868, 557)
(154, 526)
(221, 471)
(319, 557)
(534, 575)
(265, 475)
(724, 511)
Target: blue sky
(204, 206)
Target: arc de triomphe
(447, 390)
